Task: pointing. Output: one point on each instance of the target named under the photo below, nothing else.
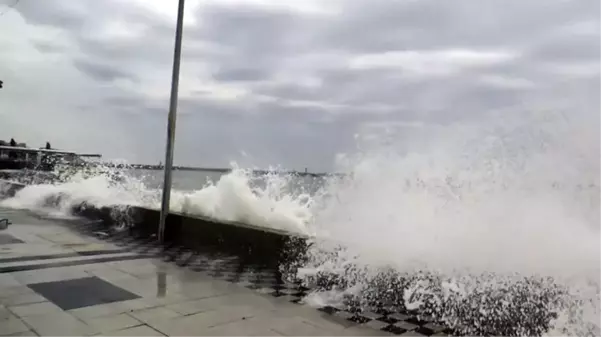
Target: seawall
(259, 245)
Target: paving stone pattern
(268, 282)
(81, 292)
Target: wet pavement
(56, 279)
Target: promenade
(56, 280)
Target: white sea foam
(58, 199)
(474, 208)
(235, 197)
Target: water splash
(492, 228)
(239, 196)
(267, 200)
(67, 191)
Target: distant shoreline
(220, 170)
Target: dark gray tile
(431, 329)
(7, 239)
(411, 334)
(371, 315)
(82, 292)
(406, 326)
(399, 317)
(375, 324)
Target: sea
(499, 217)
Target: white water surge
(477, 210)
(235, 197)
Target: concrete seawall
(259, 245)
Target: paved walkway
(54, 281)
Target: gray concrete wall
(262, 246)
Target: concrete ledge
(260, 245)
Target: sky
(289, 83)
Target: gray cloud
(101, 72)
(47, 47)
(240, 74)
(292, 87)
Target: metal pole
(171, 122)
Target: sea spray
(60, 198)
(240, 196)
(489, 227)
(272, 200)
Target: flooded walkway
(55, 280)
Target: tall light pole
(171, 122)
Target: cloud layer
(269, 82)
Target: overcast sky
(272, 82)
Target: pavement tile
(203, 288)
(10, 325)
(58, 323)
(253, 326)
(321, 320)
(154, 314)
(82, 292)
(248, 298)
(112, 323)
(411, 333)
(365, 331)
(188, 325)
(23, 334)
(142, 330)
(296, 326)
(42, 308)
(137, 304)
(109, 309)
(374, 324)
(189, 308)
(24, 298)
(107, 273)
(49, 275)
(5, 313)
(8, 281)
(20, 289)
(166, 300)
(97, 311)
(145, 288)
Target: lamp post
(171, 121)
